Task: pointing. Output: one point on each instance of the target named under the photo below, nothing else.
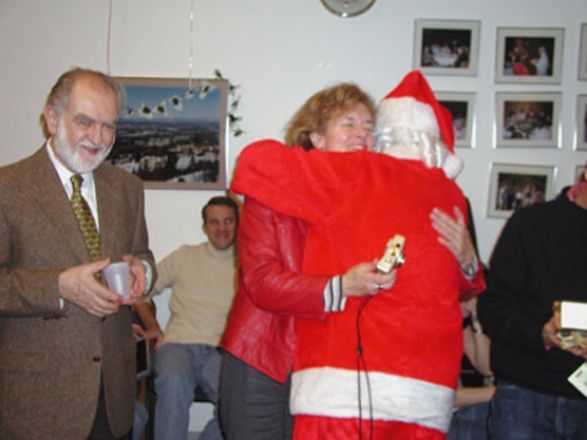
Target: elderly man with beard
(67, 356)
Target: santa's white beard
(405, 143)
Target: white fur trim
(452, 166)
(407, 112)
(333, 392)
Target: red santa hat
(413, 106)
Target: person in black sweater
(540, 258)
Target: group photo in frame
(446, 47)
(581, 127)
(529, 55)
(583, 53)
(527, 119)
(514, 186)
(462, 108)
(172, 133)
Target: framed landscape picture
(583, 53)
(529, 55)
(515, 186)
(527, 120)
(172, 133)
(581, 127)
(462, 108)
(446, 47)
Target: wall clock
(347, 8)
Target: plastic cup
(117, 278)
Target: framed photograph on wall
(529, 55)
(527, 120)
(462, 108)
(446, 47)
(581, 130)
(515, 186)
(583, 53)
(579, 169)
(172, 133)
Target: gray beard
(71, 156)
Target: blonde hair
(321, 108)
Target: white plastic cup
(117, 278)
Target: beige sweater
(203, 281)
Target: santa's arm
(299, 183)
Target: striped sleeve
(334, 301)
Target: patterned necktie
(85, 218)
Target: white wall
(279, 51)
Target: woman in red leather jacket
(259, 338)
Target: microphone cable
(362, 365)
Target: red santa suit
(388, 363)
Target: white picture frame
(581, 123)
(527, 119)
(446, 47)
(462, 108)
(529, 55)
(583, 53)
(515, 186)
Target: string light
(108, 38)
(191, 52)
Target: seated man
(387, 365)
(202, 279)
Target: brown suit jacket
(51, 359)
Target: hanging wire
(108, 38)
(191, 52)
(362, 366)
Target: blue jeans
(140, 420)
(518, 413)
(179, 368)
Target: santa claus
(387, 365)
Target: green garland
(234, 101)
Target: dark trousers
(101, 428)
(518, 413)
(252, 405)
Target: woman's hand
(454, 235)
(363, 279)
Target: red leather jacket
(260, 330)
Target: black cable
(362, 365)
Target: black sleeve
(506, 309)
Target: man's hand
(155, 336)
(137, 330)
(453, 235)
(549, 332)
(549, 335)
(151, 329)
(137, 278)
(363, 279)
(78, 286)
